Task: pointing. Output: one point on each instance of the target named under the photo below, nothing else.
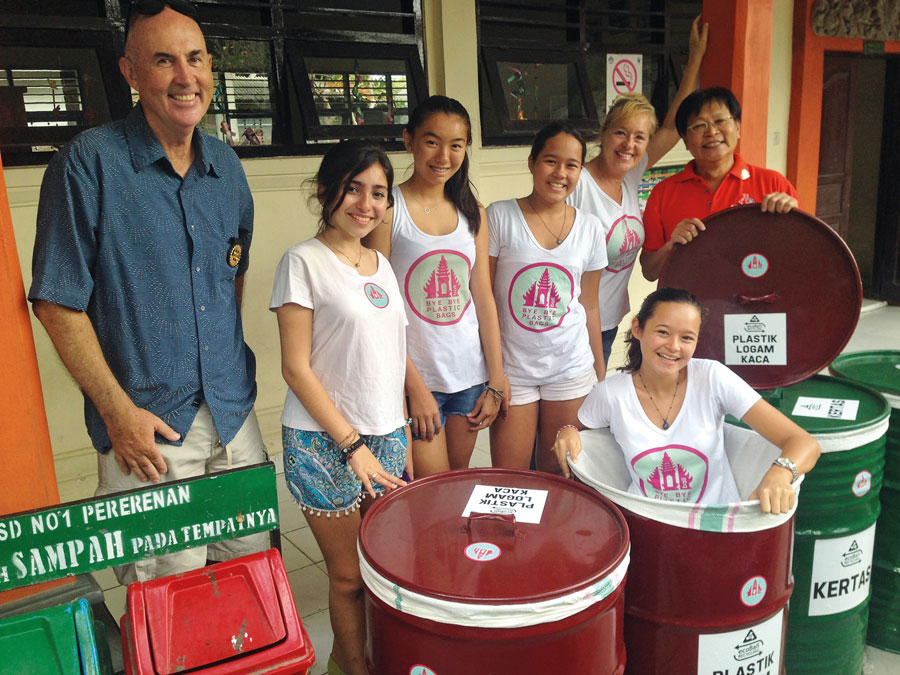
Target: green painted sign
(93, 534)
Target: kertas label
(841, 571)
(526, 505)
(755, 339)
(748, 651)
(830, 408)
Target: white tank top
(433, 274)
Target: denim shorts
(458, 403)
(318, 477)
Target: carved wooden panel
(866, 19)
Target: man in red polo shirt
(709, 122)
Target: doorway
(859, 165)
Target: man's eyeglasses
(719, 123)
(154, 7)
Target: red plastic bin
(236, 616)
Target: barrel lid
(828, 405)
(877, 369)
(419, 538)
(782, 292)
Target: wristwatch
(787, 464)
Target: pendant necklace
(559, 240)
(665, 418)
(337, 250)
(424, 208)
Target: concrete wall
(283, 218)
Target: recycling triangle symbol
(750, 637)
(854, 546)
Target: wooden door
(886, 270)
(836, 144)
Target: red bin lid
(419, 538)
(212, 614)
(782, 292)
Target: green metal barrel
(881, 370)
(835, 527)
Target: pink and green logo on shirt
(673, 473)
(623, 243)
(539, 296)
(437, 286)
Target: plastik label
(748, 651)
(483, 551)
(753, 591)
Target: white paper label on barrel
(755, 650)
(841, 572)
(755, 339)
(828, 408)
(526, 505)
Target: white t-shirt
(687, 461)
(623, 229)
(433, 273)
(543, 329)
(358, 341)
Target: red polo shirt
(686, 195)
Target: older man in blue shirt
(144, 227)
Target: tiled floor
(878, 328)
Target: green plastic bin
(60, 640)
(835, 525)
(881, 370)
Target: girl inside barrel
(343, 352)
(667, 410)
(546, 258)
(436, 237)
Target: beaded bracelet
(567, 426)
(351, 449)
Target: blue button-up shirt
(121, 236)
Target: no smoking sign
(623, 75)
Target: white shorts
(566, 390)
(200, 453)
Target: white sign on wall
(624, 75)
(755, 339)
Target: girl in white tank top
(436, 238)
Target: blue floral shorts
(319, 479)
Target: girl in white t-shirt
(609, 183)
(546, 258)
(667, 411)
(436, 237)
(343, 354)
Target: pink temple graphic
(631, 241)
(670, 476)
(442, 283)
(542, 293)
(755, 264)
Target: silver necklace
(559, 240)
(424, 208)
(665, 418)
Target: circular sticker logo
(623, 243)
(755, 265)
(753, 591)
(437, 286)
(539, 296)
(482, 551)
(862, 483)
(376, 295)
(421, 670)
